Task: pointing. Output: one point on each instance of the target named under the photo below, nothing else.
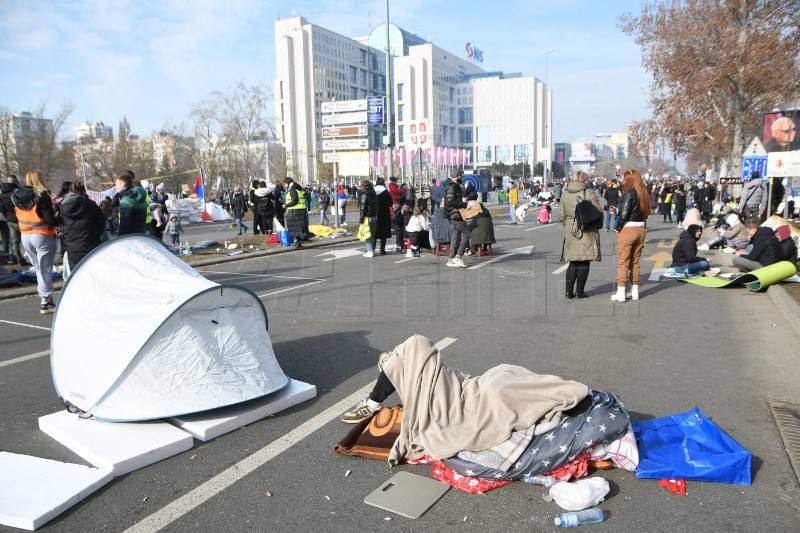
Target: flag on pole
(467, 155)
(198, 186)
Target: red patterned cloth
(471, 485)
(577, 468)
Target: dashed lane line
(561, 269)
(24, 325)
(24, 358)
(193, 499)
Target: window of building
(363, 56)
(362, 77)
(401, 112)
(401, 130)
(363, 93)
(452, 115)
(483, 154)
(353, 93)
(522, 152)
(281, 89)
(502, 152)
(465, 136)
(444, 134)
(465, 115)
(353, 74)
(452, 95)
(400, 91)
(483, 134)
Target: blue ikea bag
(689, 446)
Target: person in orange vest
(37, 224)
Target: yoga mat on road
(755, 281)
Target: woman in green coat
(580, 247)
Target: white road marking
(404, 260)
(340, 254)
(193, 499)
(525, 250)
(24, 358)
(291, 288)
(657, 273)
(258, 275)
(561, 269)
(24, 325)
(551, 225)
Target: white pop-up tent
(140, 335)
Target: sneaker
(459, 261)
(711, 272)
(382, 358)
(452, 262)
(369, 254)
(360, 412)
(703, 247)
(692, 276)
(47, 307)
(672, 273)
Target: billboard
(779, 130)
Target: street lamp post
(547, 114)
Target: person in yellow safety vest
(296, 212)
(37, 225)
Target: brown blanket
(446, 411)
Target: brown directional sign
(330, 132)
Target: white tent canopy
(139, 335)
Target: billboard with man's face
(779, 131)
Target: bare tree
(715, 66)
(31, 141)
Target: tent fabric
(217, 212)
(138, 335)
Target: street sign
(355, 117)
(344, 131)
(344, 106)
(354, 164)
(751, 164)
(755, 149)
(375, 109)
(330, 157)
(730, 181)
(345, 144)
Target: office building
(497, 117)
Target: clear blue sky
(150, 60)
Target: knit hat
(783, 232)
(160, 187)
(456, 172)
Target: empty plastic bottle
(547, 481)
(587, 516)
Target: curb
(31, 290)
(787, 306)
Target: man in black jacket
(7, 210)
(765, 251)
(459, 232)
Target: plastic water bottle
(546, 481)
(587, 516)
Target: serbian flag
(198, 186)
(467, 155)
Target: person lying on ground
(685, 261)
(764, 249)
(446, 412)
(729, 233)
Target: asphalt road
(727, 351)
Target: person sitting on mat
(764, 249)
(685, 262)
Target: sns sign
(474, 53)
(418, 134)
(375, 109)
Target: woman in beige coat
(580, 247)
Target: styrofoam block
(211, 424)
(120, 447)
(33, 491)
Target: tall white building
(499, 117)
(94, 130)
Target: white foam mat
(120, 447)
(33, 491)
(211, 424)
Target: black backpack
(587, 216)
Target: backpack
(587, 216)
